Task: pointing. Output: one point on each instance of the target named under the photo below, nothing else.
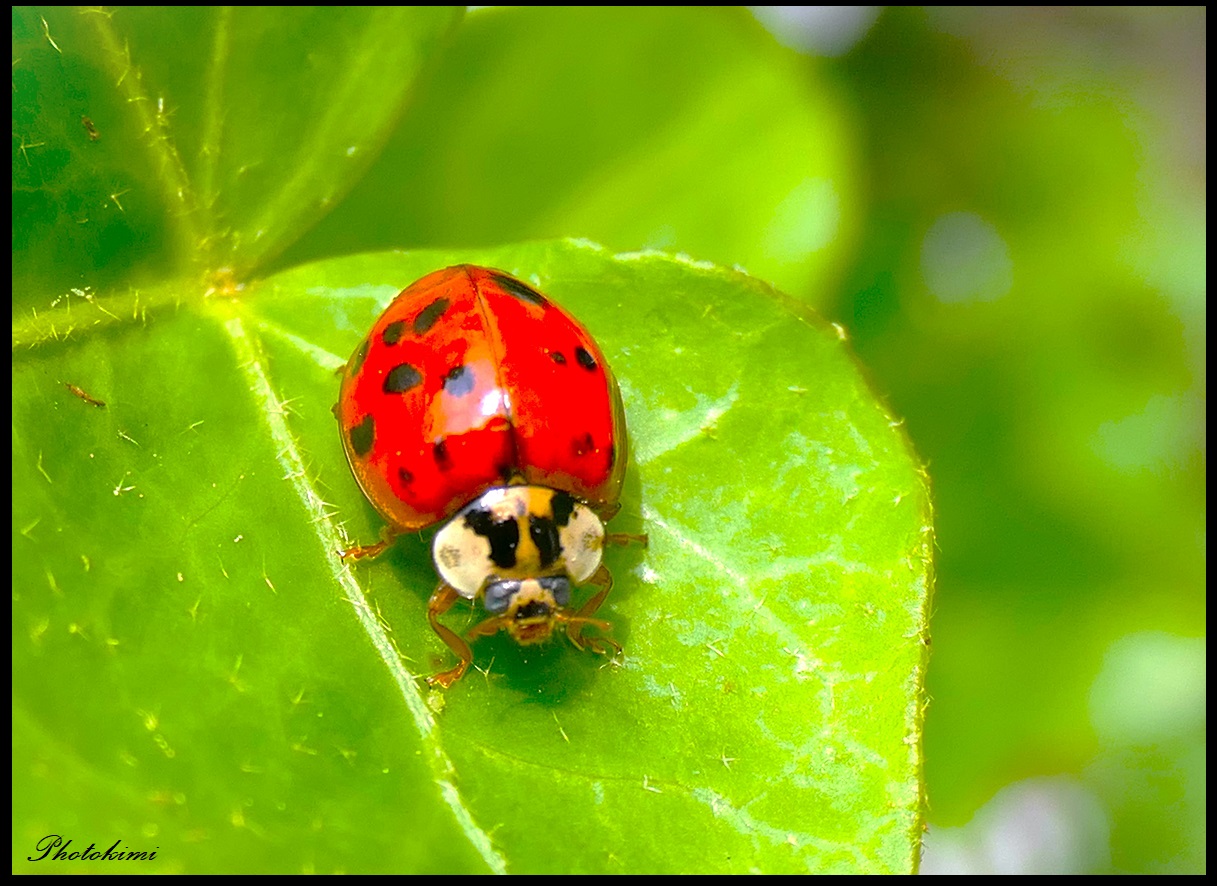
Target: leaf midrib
(252, 366)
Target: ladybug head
(529, 608)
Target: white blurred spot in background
(1153, 688)
(817, 30)
(963, 259)
(1038, 826)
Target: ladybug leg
(441, 601)
(599, 645)
(624, 538)
(575, 623)
(388, 535)
(487, 628)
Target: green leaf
(198, 678)
(195, 672)
(149, 140)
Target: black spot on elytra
(507, 471)
(362, 435)
(428, 316)
(563, 505)
(504, 536)
(402, 378)
(459, 381)
(544, 535)
(586, 360)
(443, 458)
(361, 354)
(582, 446)
(393, 332)
(557, 357)
(522, 291)
(404, 477)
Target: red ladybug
(477, 401)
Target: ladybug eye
(559, 586)
(498, 596)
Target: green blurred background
(1005, 210)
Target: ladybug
(477, 403)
